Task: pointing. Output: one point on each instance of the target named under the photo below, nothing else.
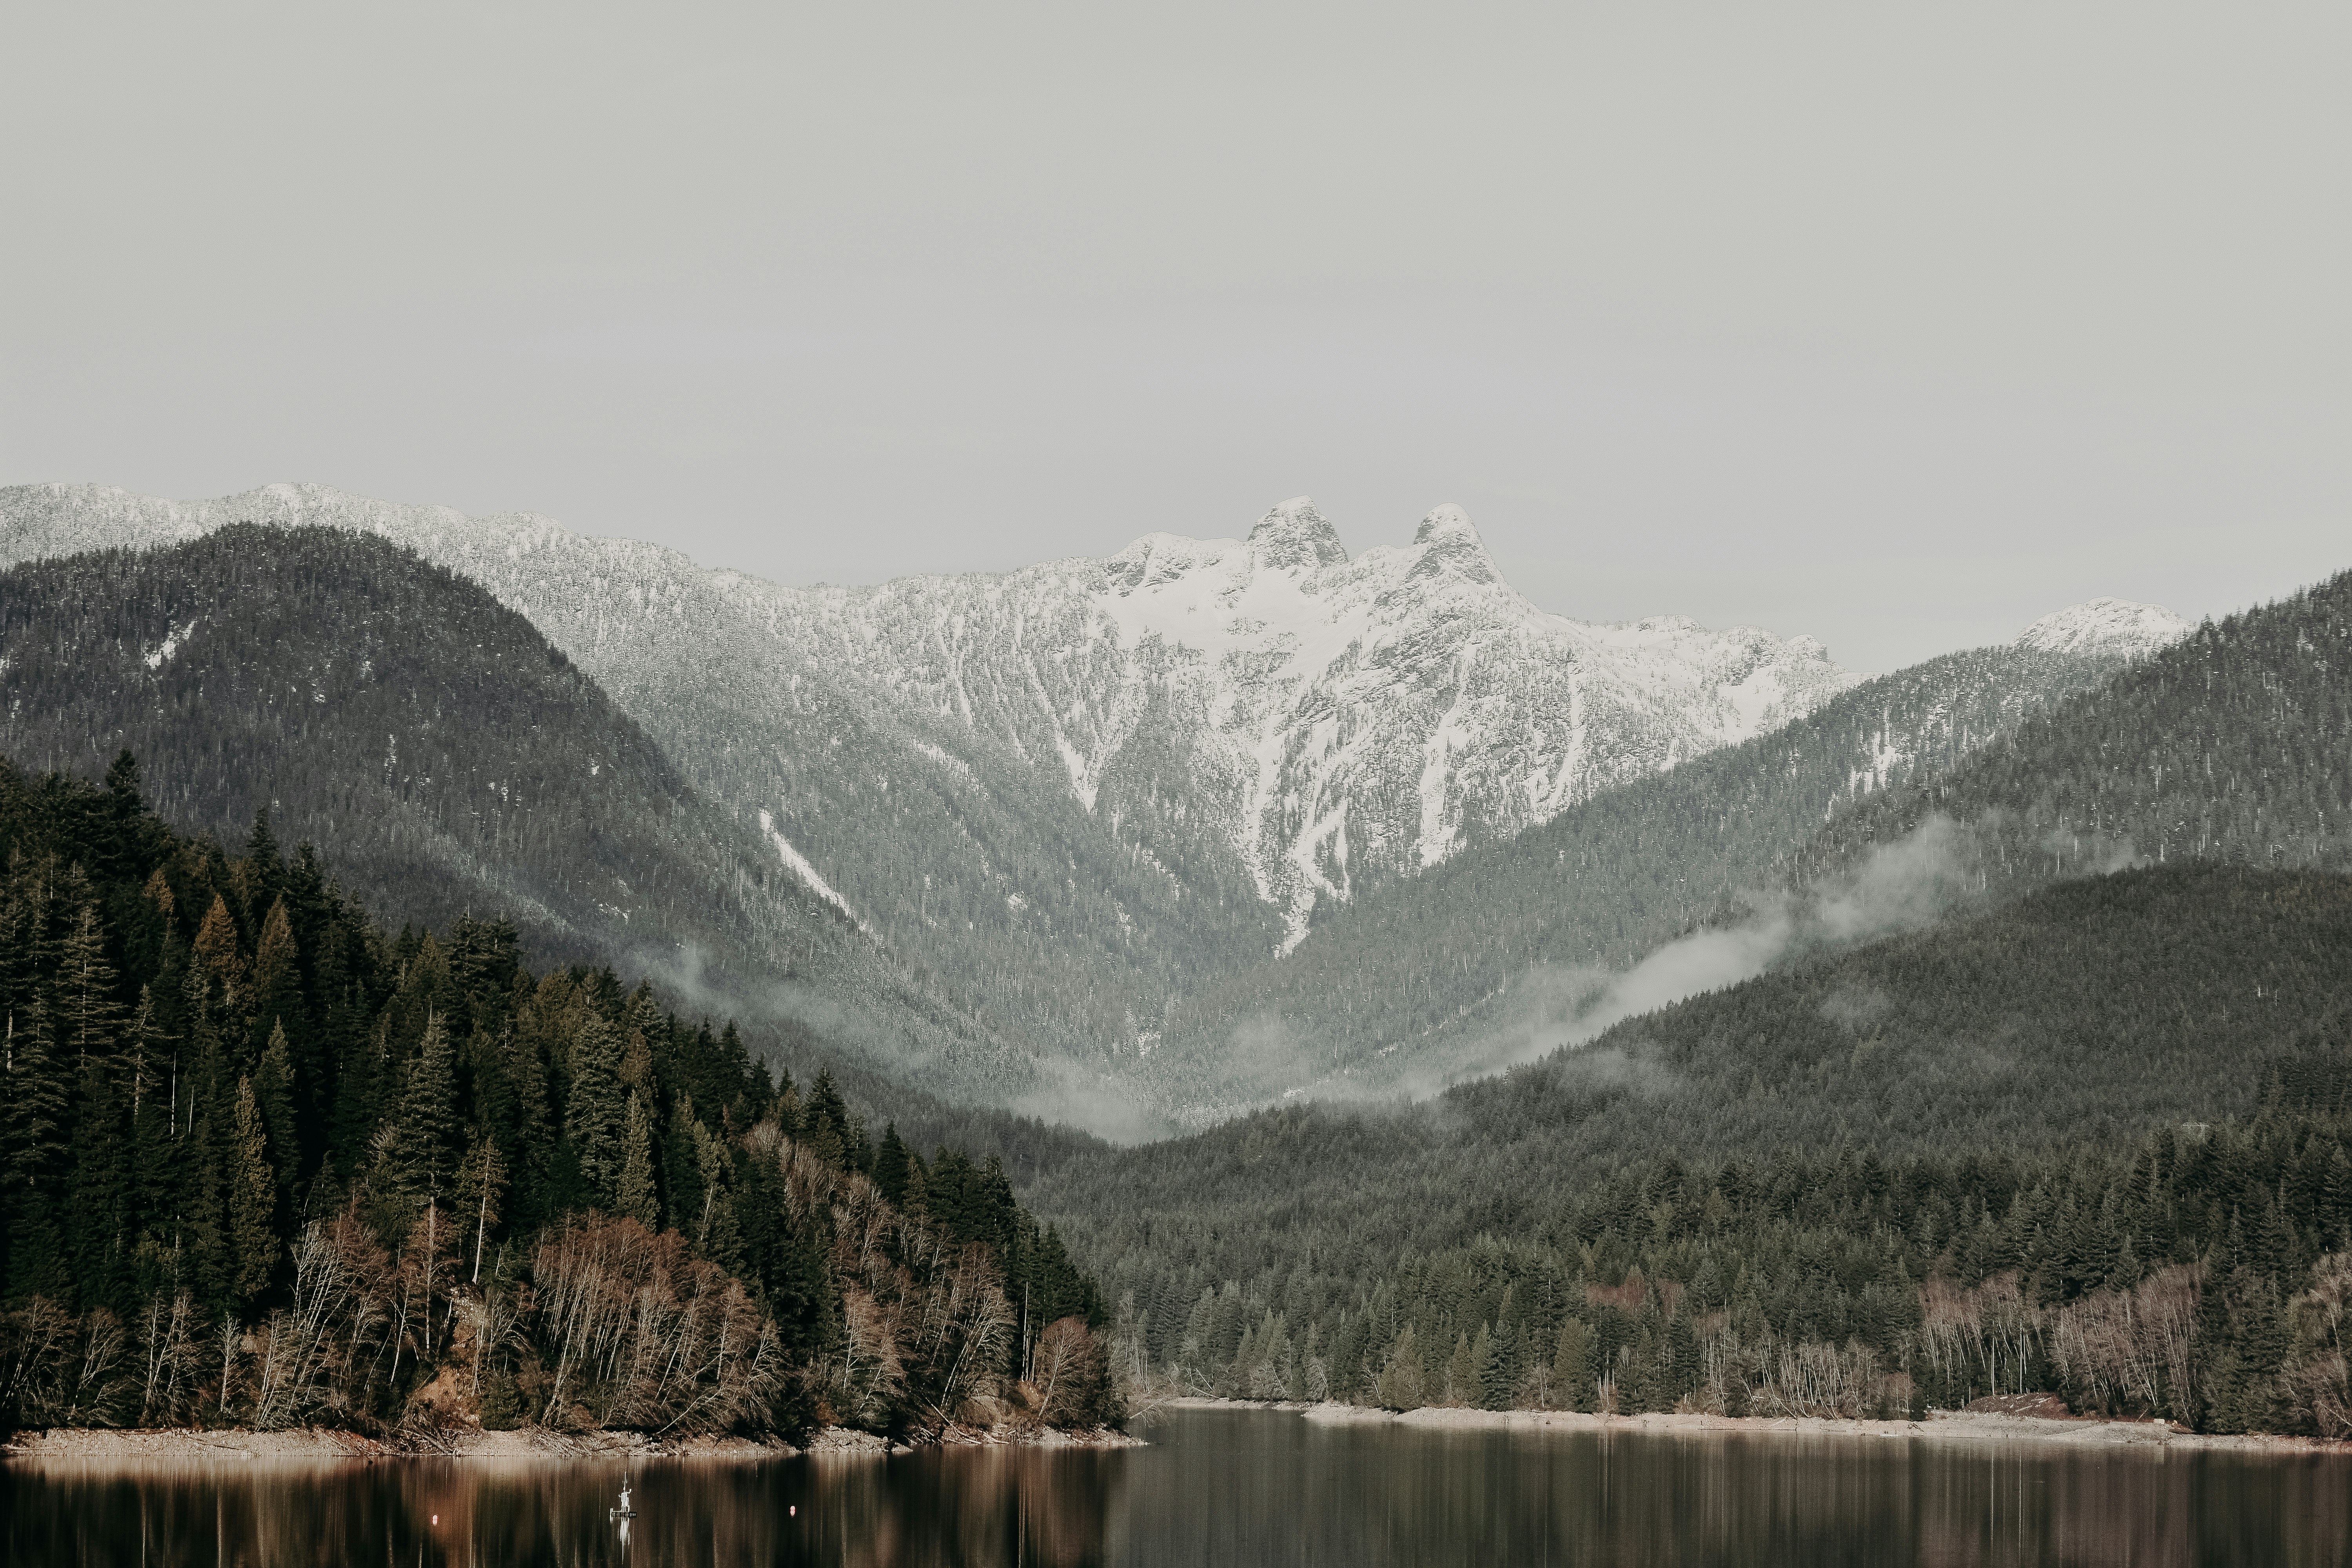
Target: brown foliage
(641, 1333)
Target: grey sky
(1894, 324)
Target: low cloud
(1899, 887)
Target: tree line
(2200, 1275)
(262, 1162)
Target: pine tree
(216, 944)
(277, 983)
(1571, 1369)
(637, 1195)
(1399, 1385)
(1483, 1388)
(418, 1141)
(273, 1089)
(890, 1164)
(252, 1200)
(102, 1190)
(34, 1108)
(1462, 1372)
(87, 1012)
(596, 1113)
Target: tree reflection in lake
(1228, 1488)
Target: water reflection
(1225, 1488)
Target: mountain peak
(1295, 534)
(1449, 543)
(2106, 625)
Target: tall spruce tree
(638, 1197)
(596, 1113)
(252, 1200)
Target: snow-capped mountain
(2107, 626)
(1337, 718)
(1321, 719)
(1062, 800)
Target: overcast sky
(1892, 323)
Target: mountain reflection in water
(1226, 1488)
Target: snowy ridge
(1338, 716)
(2107, 626)
(1326, 717)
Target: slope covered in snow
(2106, 627)
(1336, 721)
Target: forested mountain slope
(2010, 1061)
(1072, 801)
(368, 699)
(2091, 1011)
(1491, 955)
(995, 892)
(263, 1163)
(2234, 745)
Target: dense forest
(1407, 978)
(2234, 745)
(263, 1163)
(2200, 1275)
(2037, 1039)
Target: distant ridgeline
(261, 1163)
(2057, 1119)
(2234, 745)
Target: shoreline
(328, 1445)
(1940, 1426)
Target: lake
(1228, 1488)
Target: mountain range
(1109, 828)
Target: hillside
(263, 1163)
(2068, 1025)
(1082, 807)
(369, 700)
(1000, 896)
(1496, 955)
(2230, 745)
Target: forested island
(268, 1165)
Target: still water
(1226, 1488)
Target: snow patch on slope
(798, 864)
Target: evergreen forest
(263, 1163)
(2118, 1108)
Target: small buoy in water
(437, 1519)
(795, 1509)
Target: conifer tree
(277, 981)
(1399, 1385)
(595, 1114)
(252, 1200)
(638, 1197)
(890, 1164)
(102, 1190)
(273, 1089)
(1571, 1370)
(216, 944)
(481, 1183)
(34, 1107)
(88, 1014)
(418, 1140)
